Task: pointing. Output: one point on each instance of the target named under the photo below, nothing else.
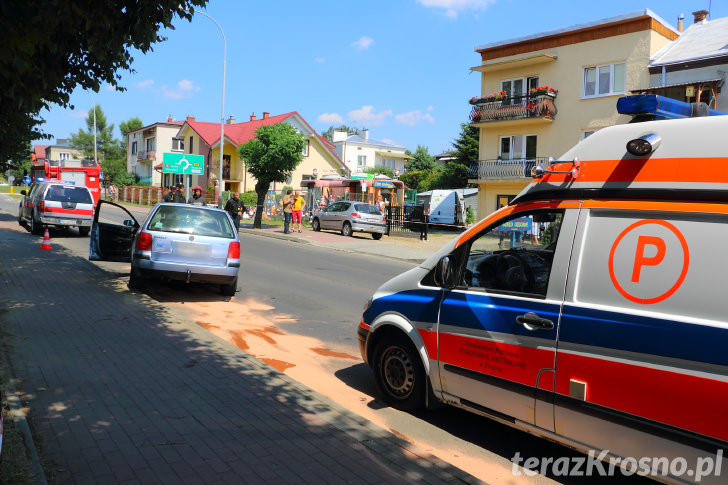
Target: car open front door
(112, 233)
(499, 323)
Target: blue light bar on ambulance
(660, 107)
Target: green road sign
(183, 163)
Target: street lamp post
(222, 116)
(96, 159)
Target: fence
(407, 221)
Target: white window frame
(512, 143)
(178, 144)
(133, 148)
(306, 147)
(608, 91)
(587, 133)
(361, 161)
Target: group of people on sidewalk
(292, 210)
(177, 194)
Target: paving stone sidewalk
(122, 391)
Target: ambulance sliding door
(642, 365)
(497, 330)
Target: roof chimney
(252, 117)
(170, 119)
(190, 118)
(700, 15)
(265, 114)
(365, 134)
(231, 120)
(680, 22)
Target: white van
(446, 207)
(605, 330)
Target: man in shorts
(298, 204)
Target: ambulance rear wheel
(399, 374)
(83, 231)
(35, 227)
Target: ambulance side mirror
(445, 273)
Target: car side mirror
(445, 273)
(128, 223)
(23, 192)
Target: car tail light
(144, 242)
(234, 250)
(355, 215)
(41, 206)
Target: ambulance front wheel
(399, 374)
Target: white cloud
(367, 116)
(183, 89)
(414, 117)
(363, 43)
(320, 60)
(145, 84)
(82, 115)
(453, 7)
(330, 118)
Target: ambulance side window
(515, 256)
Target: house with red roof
(203, 138)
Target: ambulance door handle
(532, 321)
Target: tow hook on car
(189, 273)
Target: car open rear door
(112, 233)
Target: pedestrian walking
(235, 207)
(179, 194)
(298, 204)
(287, 203)
(169, 196)
(197, 198)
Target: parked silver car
(349, 217)
(182, 242)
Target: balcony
(536, 109)
(148, 155)
(505, 169)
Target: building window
(517, 147)
(178, 144)
(191, 145)
(151, 144)
(587, 133)
(134, 148)
(64, 156)
(518, 87)
(361, 161)
(604, 80)
(503, 200)
(305, 148)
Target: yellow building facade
(581, 70)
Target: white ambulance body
(608, 331)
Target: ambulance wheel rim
(398, 372)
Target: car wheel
(84, 231)
(136, 281)
(376, 236)
(20, 217)
(346, 229)
(230, 289)
(315, 224)
(399, 374)
(35, 227)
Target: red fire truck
(77, 172)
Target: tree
(271, 156)
(413, 178)
(467, 144)
(329, 134)
(381, 170)
(422, 160)
(50, 49)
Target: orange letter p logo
(641, 260)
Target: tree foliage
(52, 47)
(466, 145)
(422, 160)
(271, 156)
(329, 134)
(380, 171)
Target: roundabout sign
(183, 163)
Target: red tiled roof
(39, 151)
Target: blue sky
(399, 68)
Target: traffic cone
(46, 241)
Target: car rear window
(190, 220)
(366, 209)
(61, 193)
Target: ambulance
(605, 330)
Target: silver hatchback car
(349, 217)
(181, 242)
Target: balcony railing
(148, 155)
(505, 169)
(514, 108)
